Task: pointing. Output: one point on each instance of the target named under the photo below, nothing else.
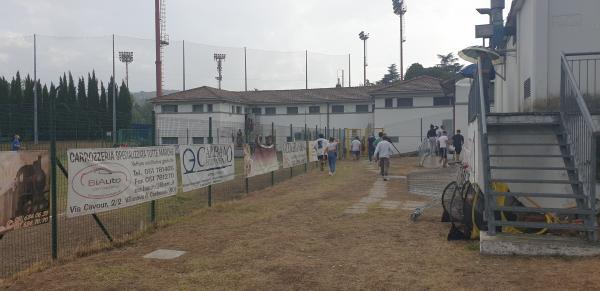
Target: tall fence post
(421, 129)
(53, 194)
(210, 141)
(153, 202)
(291, 140)
(247, 137)
(274, 143)
(306, 142)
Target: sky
(75, 35)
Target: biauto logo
(101, 181)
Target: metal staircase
(532, 155)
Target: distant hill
(142, 96)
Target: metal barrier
(581, 130)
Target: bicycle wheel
(456, 208)
(473, 206)
(447, 195)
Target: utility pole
(349, 72)
(306, 67)
(35, 97)
(245, 71)
(364, 36)
(114, 97)
(183, 60)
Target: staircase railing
(581, 132)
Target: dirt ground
(296, 236)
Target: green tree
(124, 106)
(391, 76)
(93, 96)
(103, 101)
(16, 90)
(72, 92)
(414, 71)
(81, 94)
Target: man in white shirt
(355, 148)
(319, 147)
(383, 153)
(443, 143)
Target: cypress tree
(16, 90)
(124, 105)
(103, 106)
(81, 94)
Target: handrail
(483, 142)
(578, 96)
(581, 54)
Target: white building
(538, 31)
(182, 117)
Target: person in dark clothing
(371, 145)
(432, 131)
(432, 137)
(458, 141)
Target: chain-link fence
(77, 236)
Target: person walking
(332, 151)
(16, 143)
(319, 148)
(383, 153)
(457, 141)
(443, 144)
(355, 148)
(432, 136)
(371, 146)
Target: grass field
(289, 237)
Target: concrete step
(533, 168)
(537, 181)
(540, 195)
(523, 119)
(543, 210)
(529, 144)
(562, 226)
(536, 245)
(529, 156)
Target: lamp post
(364, 36)
(400, 10)
(219, 58)
(126, 57)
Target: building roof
(297, 96)
(200, 94)
(422, 84)
(419, 84)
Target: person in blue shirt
(16, 143)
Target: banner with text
(294, 153)
(312, 151)
(112, 178)
(203, 165)
(261, 160)
(24, 189)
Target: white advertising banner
(203, 165)
(110, 178)
(312, 151)
(294, 153)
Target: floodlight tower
(162, 40)
(400, 10)
(364, 36)
(219, 58)
(126, 57)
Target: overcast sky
(330, 27)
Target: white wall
(545, 29)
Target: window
(198, 140)
(270, 111)
(314, 109)
(389, 102)
(257, 111)
(170, 140)
(232, 109)
(337, 109)
(395, 139)
(362, 108)
(238, 110)
(527, 88)
(198, 108)
(405, 102)
(442, 101)
(292, 110)
(169, 108)
(209, 108)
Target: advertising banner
(111, 178)
(260, 159)
(294, 153)
(203, 165)
(24, 189)
(312, 151)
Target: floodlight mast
(400, 10)
(126, 57)
(364, 36)
(219, 58)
